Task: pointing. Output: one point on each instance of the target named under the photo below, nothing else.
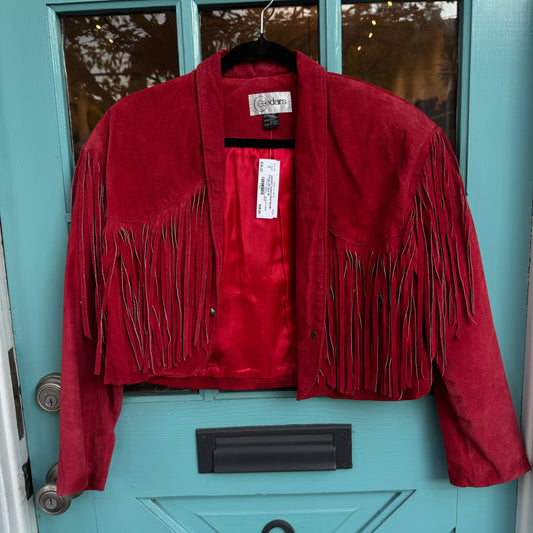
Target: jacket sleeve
(479, 426)
(89, 408)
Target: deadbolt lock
(48, 500)
(48, 391)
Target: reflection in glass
(110, 56)
(295, 27)
(408, 48)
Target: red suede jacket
(367, 284)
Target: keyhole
(50, 401)
(50, 503)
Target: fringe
(389, 313)
(88, 190)
(163, 268)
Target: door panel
(399, 481)
(156, 444)
(362, 512)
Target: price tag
(267, 189)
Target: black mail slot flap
(274, 448)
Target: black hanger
(259, 48)
(253, 49)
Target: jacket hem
(206, 382)
(510, 476)
(322, 389)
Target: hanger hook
(262, 13)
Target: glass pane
(408, 48)
(295, 27)
(109, 56)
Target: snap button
(211, 312)
(313, 334)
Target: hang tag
(267, 189)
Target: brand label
(267, 189)
(270, 103)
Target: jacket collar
(311, 198)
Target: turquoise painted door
(399, 481)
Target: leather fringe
(88, 190)
(164, 267)
(389, 314)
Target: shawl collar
(311, 198)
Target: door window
(108, 56)
(408, 48)
(225, 28)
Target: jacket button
(211, 312)
(313, 334)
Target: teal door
(51, 94)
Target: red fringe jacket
(367, 285)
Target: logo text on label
(269, 103)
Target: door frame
(17, 512)
(524, 504)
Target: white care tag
(270, 103)
(267, 189)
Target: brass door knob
(48, 391)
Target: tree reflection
(110, 56)
(409, 48)
(295, 27)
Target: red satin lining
(255, 336)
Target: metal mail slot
(274, 448)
